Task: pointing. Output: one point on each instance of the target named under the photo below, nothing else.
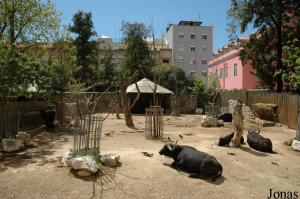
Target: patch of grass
(91, 152)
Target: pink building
(228, 67)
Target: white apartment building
(192, 46)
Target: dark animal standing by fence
(191, 160)
(49, 115)
(258, 142)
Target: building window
(204, 61)
(193, 49)
(221, 73)
(204, 37)
(192, 73)
(193, 61)
(181, 35)
(216, 72)
(193, 36)
(226, 71)
(204, 73)
(102, 61)
(235, 70)
(166, 61)
(181, 60)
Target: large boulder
(10, 145)
(296, 145)
(24, 137)
(66, 158)
(110, 159)
(84, 163)
(209, 122)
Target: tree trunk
(238, 123)
(126, 107)
(279, 49)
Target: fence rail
(288, 104)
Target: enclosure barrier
(87, 134)
(212, 110)
(154, 122)
(9, 124)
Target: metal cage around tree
(154, 122)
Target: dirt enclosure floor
(35, 173)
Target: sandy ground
(35, 173)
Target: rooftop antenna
(199, 16)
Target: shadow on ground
(49, 143)
(253, 152)
(220, 180)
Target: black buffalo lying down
(258, 142)
(191, 160)
(225, 140)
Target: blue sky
(109, 14)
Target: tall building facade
(159, 49)
(227, 66)
(192, 46)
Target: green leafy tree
(138, 63)
(292, 60)
(58, 74)
(275, 21)
(109, 72)
(30, 20)
(22, 25)
(175, 80)
(83, 28)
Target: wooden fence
(16, 115)
(288, 104)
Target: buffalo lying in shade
(189, 159)
(258, 142)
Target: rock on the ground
(56, 123)
(84, 163)
(296, 145)
(83, 173)
(220, 123)
(110, 160)
(66, 158)
(209, 122)
(9, 145)
(23, 136)
(289, 142)
(199, 111)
